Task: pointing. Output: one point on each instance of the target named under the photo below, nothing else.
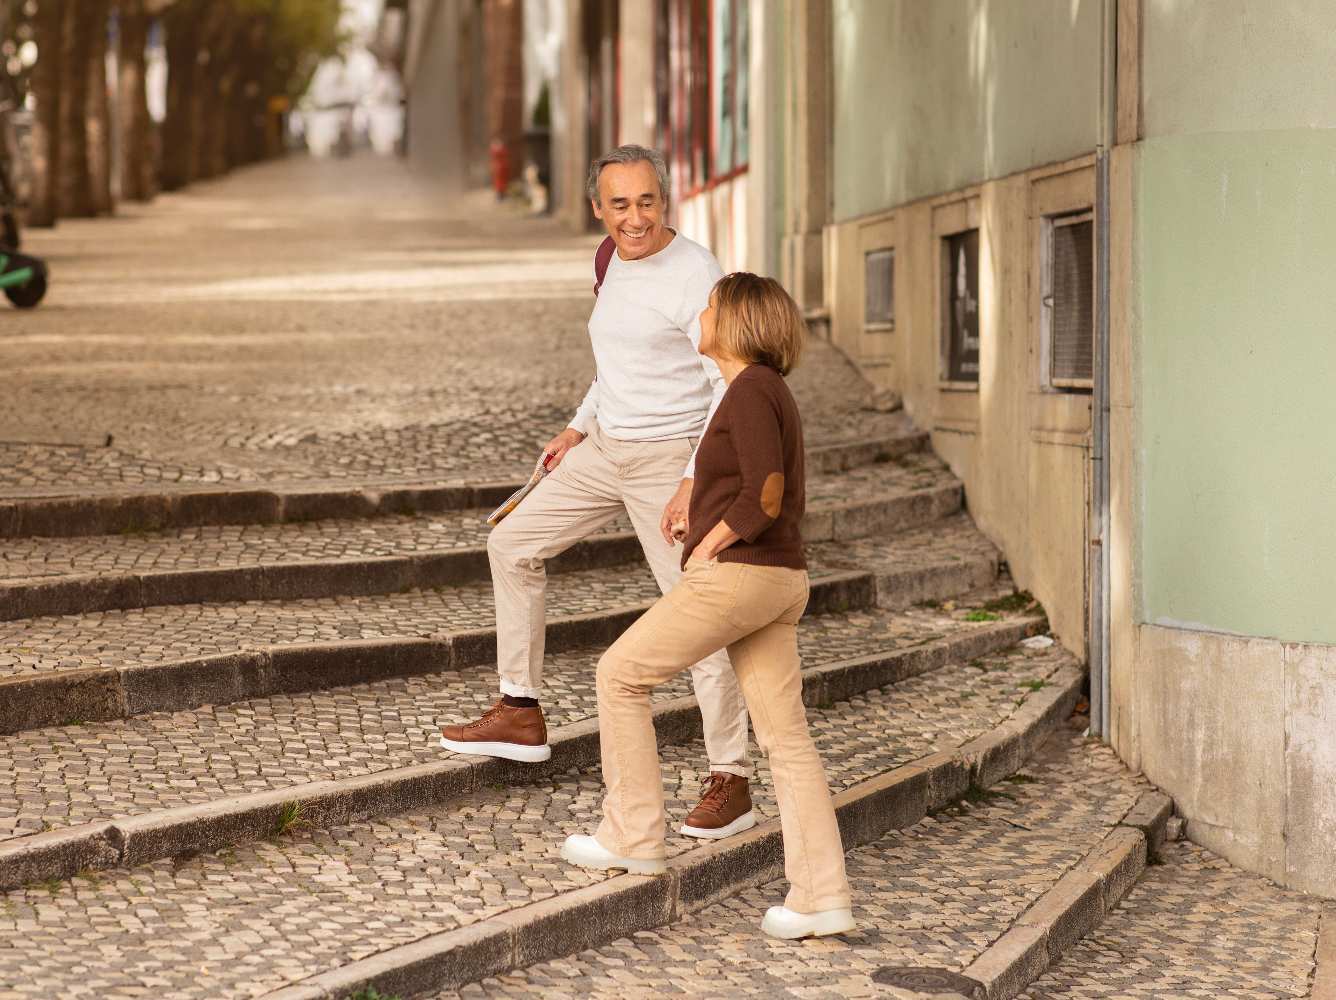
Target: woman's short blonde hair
(757, 321)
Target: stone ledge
(1074, 906)
(75, 514)
(31, 701)
(280, 581)
(866, 811)
(214, 825)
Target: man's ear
(598, 209)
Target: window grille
(1069, 301)
(879, 290)
(960, 306)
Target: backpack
(602, 257)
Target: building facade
(1087, 243)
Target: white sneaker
(589, 853)
(781, 922)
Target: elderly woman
(744, 589)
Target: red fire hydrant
(500, 157)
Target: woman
(745, 587)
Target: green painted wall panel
(1236, 247)
(1234, 65)
(934, 95)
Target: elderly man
(629, 447)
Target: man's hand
(674, 524)
(561, 444)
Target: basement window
(879, 290)
(960, 307)
(1068, 315)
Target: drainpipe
(1099, 632)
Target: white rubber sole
(586, 852)
(508, 751)
(781, 922)
(744, 822)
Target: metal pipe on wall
(1098, 573)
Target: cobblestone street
(246, 450)
(308, 320)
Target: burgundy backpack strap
(602, 258)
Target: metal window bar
(1069, 300)
(879, 290)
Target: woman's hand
(674, 524)
(721, 536)
(561, 444)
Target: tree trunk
(178, 130)
(212, 16)
(98, 110)
(72, 189)
(136, 159)
(222, 93)
(43, 207)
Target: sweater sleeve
(758, 442)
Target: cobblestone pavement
(1195, 926)
(249, 545)
(73, 774)
(166, 633)
(935, 894)
(314, 320)
(247, 920)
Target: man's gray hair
(629, 154)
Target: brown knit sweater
(749, 473)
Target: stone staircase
(218, 772)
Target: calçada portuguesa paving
(214, 791)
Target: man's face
(631, 207)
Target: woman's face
(707, 328)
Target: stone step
(113, 664)
(934, 900)
(340, 557)
(462, 884)
(52, 511)
(204, 779)
(1196, 926)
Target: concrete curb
(68, 515)
(322, 804)
(625, 904)
(102, 694)
(1074, 906)
(282, 581)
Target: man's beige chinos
(595, 482)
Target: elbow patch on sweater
(772, 494)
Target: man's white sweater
(651, 383)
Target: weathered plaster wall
(1022, 452)
(933, 97)
(1224, 681)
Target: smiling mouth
(636, 234)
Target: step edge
(295, 501)
(258, 671)
(313, 579)
(1069, 909)
(930, 789)
(121, 842)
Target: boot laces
(486, 716)
(716, 793)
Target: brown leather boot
(724, 809)
(503, 731)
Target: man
(629, 447)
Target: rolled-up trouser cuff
(519, 690)
(742, 771)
